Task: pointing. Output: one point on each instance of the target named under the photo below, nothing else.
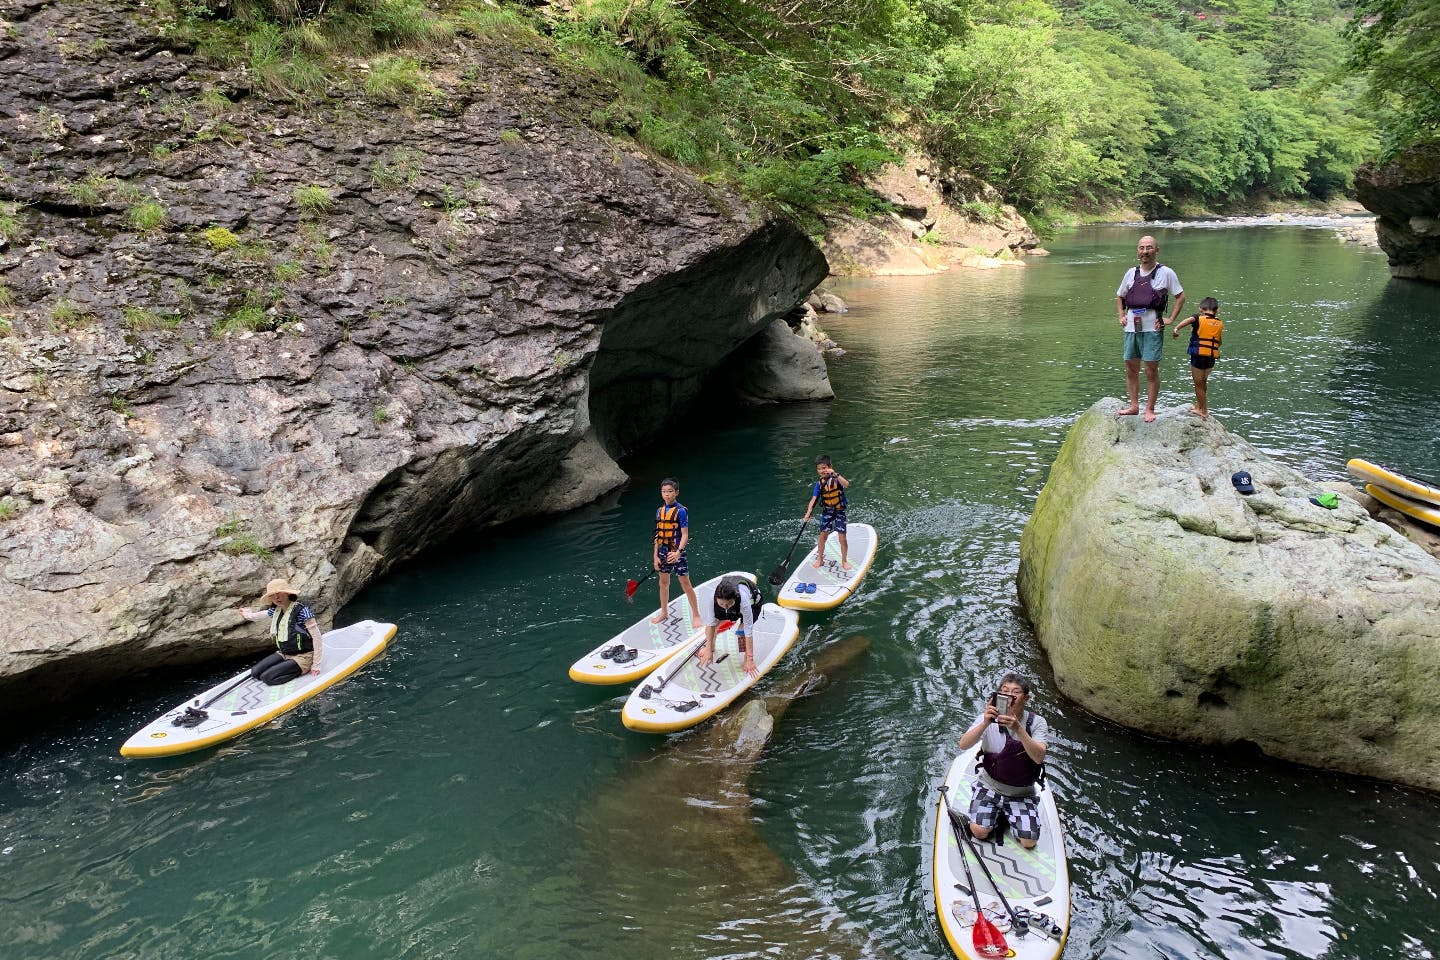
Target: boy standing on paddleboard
(672, 534)
(829, 490)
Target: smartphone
(1001, 701)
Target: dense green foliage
(1058, 103)
(1396, 43)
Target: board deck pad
(1037, 879)
(696, 691)
(653, 643)
(252, 702)
(833, 583)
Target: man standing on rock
(1140, 307)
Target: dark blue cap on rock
(1242, 481)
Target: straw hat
(279, 586)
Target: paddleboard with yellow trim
(1394, 482)
(1424, 512)
(652, 643)
(832, 584)
(243, 703)
(1037, 880)
(675, 698)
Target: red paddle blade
(989, 941)
(631, 586)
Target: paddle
(647, 692)
(777, 576)
(989, 941)
(632, 585)
(196, 715)
(1020, 926)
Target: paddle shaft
(982, 922)
(634, 585)
(238, 680)
(693, 651)
(779, 571)
(962, 827)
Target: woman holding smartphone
(1012, 750)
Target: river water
(462, 798)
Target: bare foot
(1195, 409)
(1205, 414)
(818, 564)
(1127, 411)
(845, 564)
(1149, 416)
(660, 617)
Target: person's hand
(991, 713)
(246, 612)
(1174, 334)
(1005, 720)
(704, 655)
(750, 669)
(673, 556)
(655, 562)
(315, 671)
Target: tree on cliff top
(1396, 44)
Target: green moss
(238, 540)
(7, 296)
(287, 271)
(511, 137)
(146, 321)
(313, 201)
(145, 217)
(219, 239)
(247, 318)
(9, 223)
(398, 80)
(381, 415)
(9, 509)
(402, 167)
(69, 315)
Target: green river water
(462, 798)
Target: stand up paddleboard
(1034, 880)
(833, 584)
(1424, 512)
(653, 643)
(1394, 482)
(242, 703)
(678, 697)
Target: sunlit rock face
(1405, 195)
(1171, 603)
(244, 338)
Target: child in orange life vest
(1204, 348)
(672, 534)
(829, 491)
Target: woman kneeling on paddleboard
(294, 631)
(730, 594)
(1012, 754)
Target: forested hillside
(1070, 104)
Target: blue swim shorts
(681, 567)
(832, 521)
(1143, 346)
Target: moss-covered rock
(1169, 602)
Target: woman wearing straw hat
(294, 631)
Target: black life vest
(289, 634)
(1143, 296)
(1012, 766)
(832, 495)
(756, 601)
(667, 526)
(1205, 341)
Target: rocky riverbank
(246, 337)
(1404, 194)
(1171, 603)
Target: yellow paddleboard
(1424, 512)
(1394, 482)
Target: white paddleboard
(833, 583)
(1394, 482)
(653, 643)
(691, 692)
(1037, 880)
(249, 703)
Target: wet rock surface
(1171, 603)
(1404, 193)
(244, 337)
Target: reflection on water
(463, 798)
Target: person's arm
(1182, 325)
(253, 615)
(844, 484)
(1034, 749)
(1179, 297)
(313, 628)
(707, 649)
(684, 520)
(747, 629)
(972, 736)
(811, 508)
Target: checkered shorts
(832, 521)
(681, 567)
(1022, 812)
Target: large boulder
(1404, 193)
(779, 365)
(243, 338)
(1171, 603)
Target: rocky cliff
(244, 337)
(1169, 602)
(1404, 193)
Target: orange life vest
(667, 526)
(1207, 336)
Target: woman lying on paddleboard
(730, 593)
(292, 629)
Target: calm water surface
(462, 798)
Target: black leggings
(275, 670)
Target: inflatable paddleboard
(1036, 880)
(1394, 482)
(674, 698)
(1424, 512)
(653, 643)
(243, 703)
(833, 584)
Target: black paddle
(196, 715)
(989, 941)
(632, 585)
(647, 692)
(777, 576)
(962, 824)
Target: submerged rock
(779, 365)
(1171, 603)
